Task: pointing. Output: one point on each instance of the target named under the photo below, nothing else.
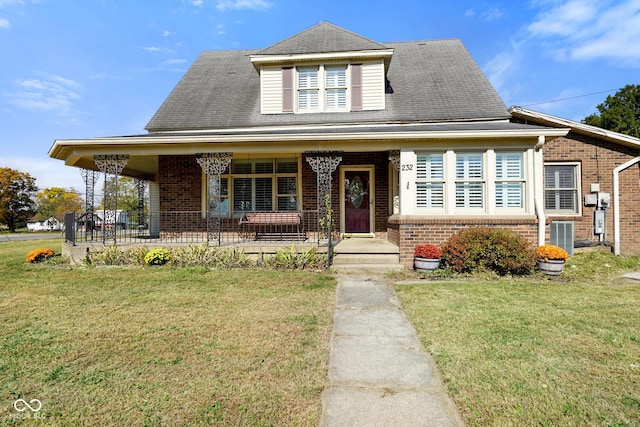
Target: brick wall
(180, 182)
(597, 160)
(407, 232)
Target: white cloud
(590, 30)
(492, 14)
(243, 4)
(50, 94)
(4, 3)
(4, 23)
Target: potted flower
(426, 257)
(551, 259)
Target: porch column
(90, 177)
(324, 164)
(213, 165)
(141, 186)
(111, 165)
(394, 159)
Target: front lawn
(537, 350)
(161, 346)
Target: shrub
(547, 252)
(159, 256)
(427, 251)
(40, 254)
(484, 248)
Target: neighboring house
(592, 182)
(409, 140)
(49, 224)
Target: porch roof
(144, 149)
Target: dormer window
(322, 88)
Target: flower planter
(552, 267)
(426, 264)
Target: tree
(17, 192)
(56, 201)
(619, 113)
(127, 193)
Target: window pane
(469, 166)
(430, 166)
(287, 203)
(287, 166)
(509, 165)
(469, 195)
(509, 194)
(287, 185)
(264, 201)
(307, 77)
(308, 99)
(336, 76)
(242, 195)
(264, 167)
(336, 98)
(241, 167)
(430, 195)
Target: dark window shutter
(287, 90)
(356, 87)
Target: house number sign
(407, 167)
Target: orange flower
(547, 252)
(39, 254)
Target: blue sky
(88, 68)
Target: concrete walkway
(379, 373)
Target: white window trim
(578, 177)
(409, 182)
(322, 89)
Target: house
(403, 141)
(41, 224)
(591, 183)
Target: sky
(91, 68)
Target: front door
(357, 200)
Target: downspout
(538, 173)
(616, 202)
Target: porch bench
(277, 225)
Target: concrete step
(357, 259)
(366, 268)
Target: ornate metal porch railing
(191, 227)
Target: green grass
(546, 351)
(161, 346)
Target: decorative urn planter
(426, 257)
(426, 264)
(551, 259)
(552, 267)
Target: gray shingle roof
(429, 81)
(322, 38)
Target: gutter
(538, 180)
(616, 202)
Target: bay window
(469, 180)
(509, 180)
(430, 181)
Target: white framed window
(430, 181)
(470, 180)
(322, 88)
(562, 188)
(218, 196)
(335, 87)
(509, 180)
(308, 88)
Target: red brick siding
(597, 160)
